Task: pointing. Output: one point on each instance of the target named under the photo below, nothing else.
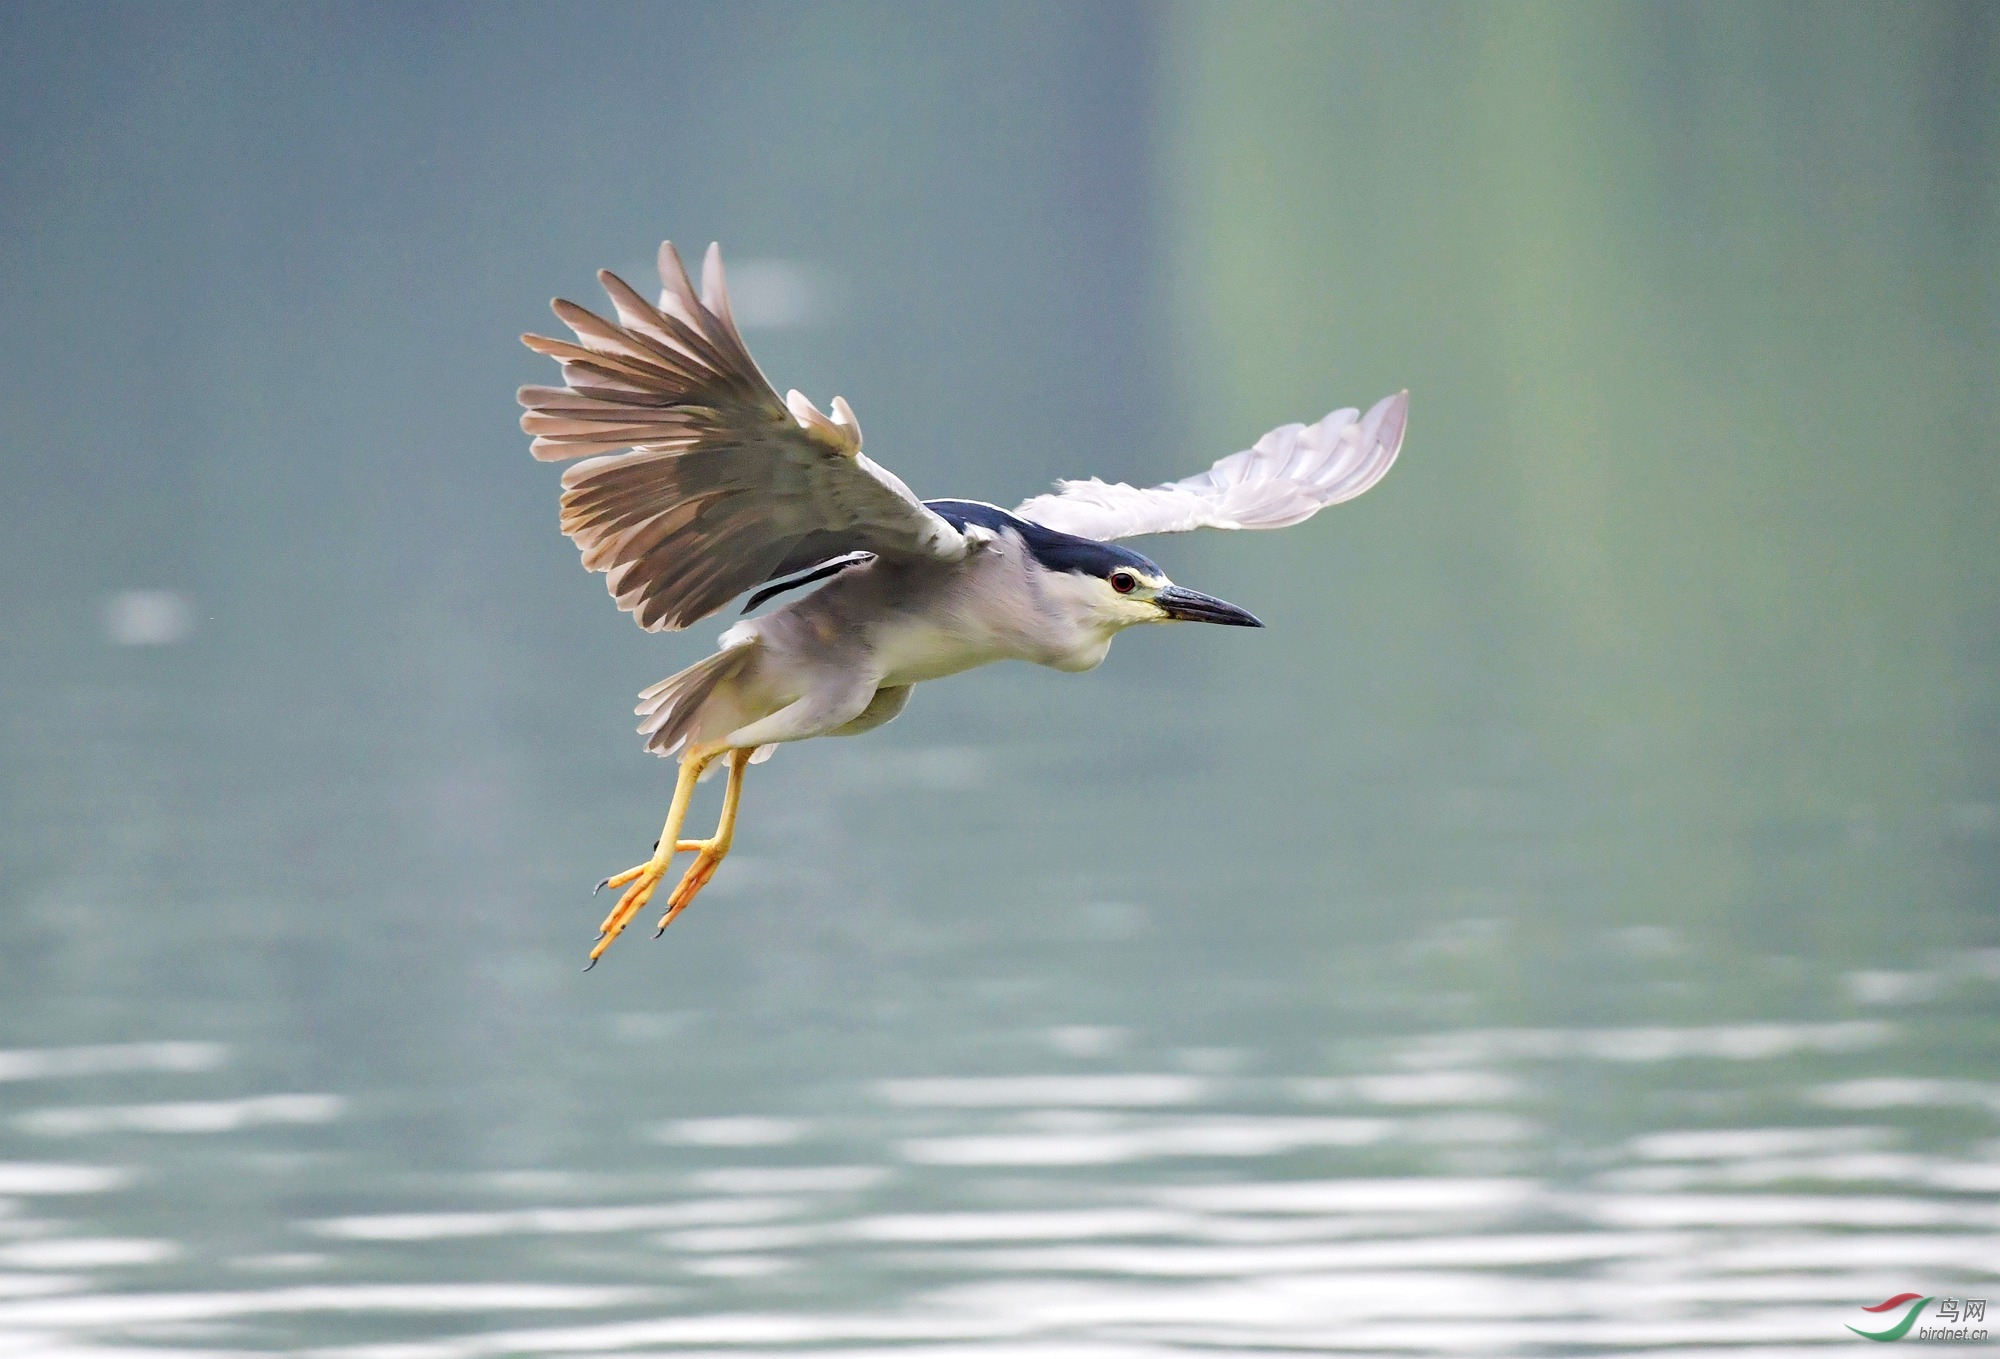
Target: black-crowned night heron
(700, 484)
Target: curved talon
(620, 879)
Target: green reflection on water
(1698, 314)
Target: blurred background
(1572, 926)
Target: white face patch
(1097, 601)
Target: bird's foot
(697, 877)
(641, 882)
(618, 880)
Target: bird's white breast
(996, 606)
(910, 650)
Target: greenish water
(1569, 927)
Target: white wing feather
(1287, 476)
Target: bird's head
(1098, 588)
(1115, 588)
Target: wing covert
(724, 484)
(1287, 476)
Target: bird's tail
(671, 709)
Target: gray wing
(724, 485)
(1289, 475)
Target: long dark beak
(1193, 606)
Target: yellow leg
(716, 849)
(643, 879)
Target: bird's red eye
(1124, 582)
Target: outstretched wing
(1288, 475)
(724, 486)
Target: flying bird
(700, 483)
